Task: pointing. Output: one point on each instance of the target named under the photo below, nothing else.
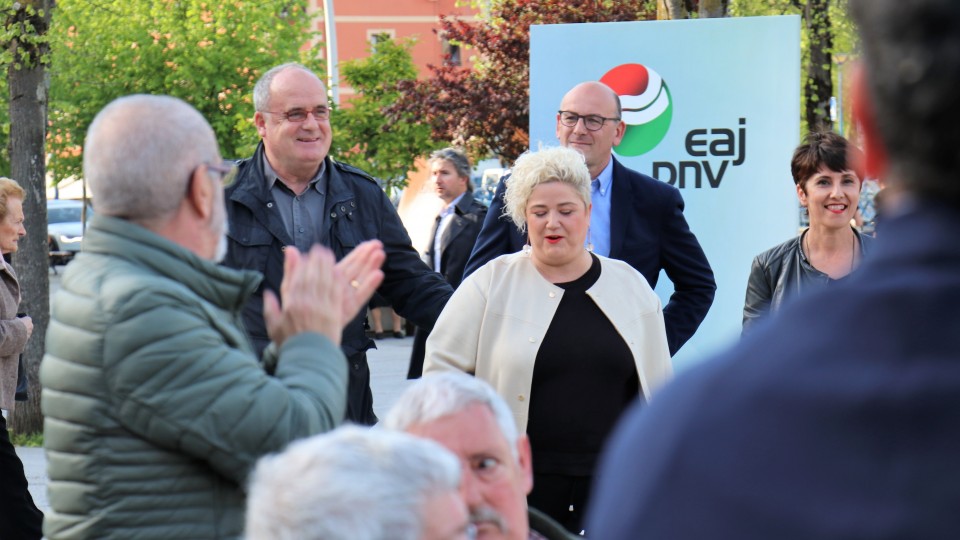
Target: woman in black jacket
(828, 186)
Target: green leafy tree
(827, 31)
(206, 52)
(360, 135)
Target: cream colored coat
(493, 325)
(13, 335)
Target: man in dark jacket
(635, 218)
(290, 193)
(840, 417)
(454, 232)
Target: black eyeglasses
(320, 113)
(226, 169)
(593, 122)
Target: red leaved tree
(486, 109)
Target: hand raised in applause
(361, 272)
(318, 294)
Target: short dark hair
(911, 53)
(823, 148)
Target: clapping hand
(320, 295)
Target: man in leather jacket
(292, 193)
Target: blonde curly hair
(553, 164)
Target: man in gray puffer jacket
(156, 408)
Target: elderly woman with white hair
(567, 337)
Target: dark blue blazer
(837, 418)
(647, 231)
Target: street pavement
(388, 379)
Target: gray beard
(221, 249)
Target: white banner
(712, 106)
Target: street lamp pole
(330, 35)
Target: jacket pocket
(249, 248)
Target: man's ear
(620, 132)
(525, 460)
(261, 122)
(875, 157)
(200, 193)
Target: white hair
(357, 483)
(139, 154)
(261, 90)
(553, 164)
(441, 394)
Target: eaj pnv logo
(647, 107)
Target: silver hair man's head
(457, 159)
(261, 90)
(357, 483)
(554, 164)
(442, 394)
(140, 152)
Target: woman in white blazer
(567, 337)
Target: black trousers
(563, 498)
(20, 519)
(359, 395)
(415, 371)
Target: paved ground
(388, 372)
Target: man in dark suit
(840, 417)
(635, 218)
(454, 231)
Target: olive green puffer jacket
(156, 408)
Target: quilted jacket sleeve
(176, 380)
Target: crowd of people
(209, 341)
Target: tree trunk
(27, 81)
(818, 86)
(713, 8)
(671, 9)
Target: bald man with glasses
(635, 218)
(291, 193)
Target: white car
(64, 229)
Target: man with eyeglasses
(635, 218)
(291, 193)
(156, 408)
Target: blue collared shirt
(599, 234)
(302, 214)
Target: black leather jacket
(356, 209)
(780, 273)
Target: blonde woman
(567, 337)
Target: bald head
(591, 98)
(597, 91)
(139, 154)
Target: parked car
(64, 229)
(486, 187)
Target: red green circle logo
(647, 107)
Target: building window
(451, 52)
(376, 36)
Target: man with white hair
(468, 417)
(156, 408)
(361, 484)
